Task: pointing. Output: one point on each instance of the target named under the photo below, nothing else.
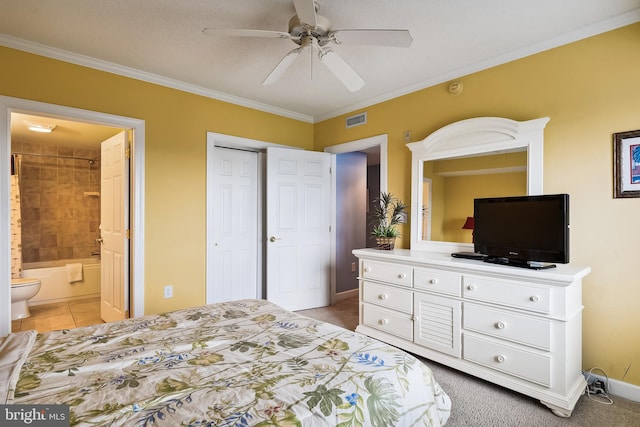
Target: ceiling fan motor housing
(297, 30)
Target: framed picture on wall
(626, 167)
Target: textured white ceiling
(162, 41)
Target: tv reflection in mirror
(523, 231)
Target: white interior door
(235, 225)
(114, 193)
(298, 228)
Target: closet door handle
(274, 238)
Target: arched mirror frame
(473, 137)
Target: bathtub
(54, 284)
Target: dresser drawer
(519, 363)
(388, 321)
(387, 296)
(387, 272)
(508, 326)
(437, 281)
(512, 294)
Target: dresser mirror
(478, 157)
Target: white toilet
(22, 290)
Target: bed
(240, 363)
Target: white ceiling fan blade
(343, 71)
(246, 33)
(393, 38)
(282, 66)
(306, 11)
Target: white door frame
(238, 143)
(10, 105)
(349, 147)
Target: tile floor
(62, 315)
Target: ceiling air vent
(357, 120)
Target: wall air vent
(357, 120)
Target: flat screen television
(523, 231)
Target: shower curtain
(16, 221)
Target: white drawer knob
(501, 359)
(402, 276)
(367, 269)
(534, 298)
(501, 325)
(383, 296)
(433, 281)
(471, 287)
(383, 321)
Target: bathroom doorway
(57, 168)
(79, 234)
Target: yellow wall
(590, 90)
(175, 146)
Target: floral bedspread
(239, 363)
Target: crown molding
(110, 67)
(614, 23)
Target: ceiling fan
(313, 32)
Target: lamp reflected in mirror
(468, 225)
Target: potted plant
(388, 212)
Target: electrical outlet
(406, 137)
(597, 387)
(353, 267)
(168, 291)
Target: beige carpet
(479, 403)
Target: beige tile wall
(58, 220)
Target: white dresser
(519, 328)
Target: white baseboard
(620, 388)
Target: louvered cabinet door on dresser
(519, 328)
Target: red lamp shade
(468, 225)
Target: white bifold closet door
(235, 225)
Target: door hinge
(127, 152)
(329, 229)
(127, 233)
